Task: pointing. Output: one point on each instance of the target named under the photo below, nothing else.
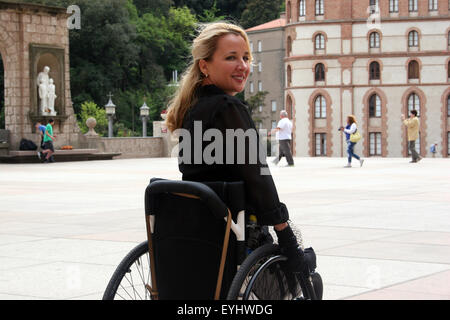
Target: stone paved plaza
(380, 232)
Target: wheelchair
(196, 249)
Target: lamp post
(145, 111)
(110, 111)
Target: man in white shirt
(284, 137)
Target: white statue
(43, 97)
(51, 96)
(46, 92)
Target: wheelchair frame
(200, 191)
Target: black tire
(318, 285)
(262, 276)
(131, 276)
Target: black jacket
(217, 110)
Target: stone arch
(423, 120)
(313, 129)
(368, 127)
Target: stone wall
(134, 147)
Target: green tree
(260, 11)
(256, 101)
(90, 110)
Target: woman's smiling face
(229, 66)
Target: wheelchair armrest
(205, 193)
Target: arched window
(412, 6)
(320, 107)
(413, 70)
(319, 72)
(414, 103)
(301, 8)
(288, 12)
(319, 8)
(320, 42)
(374, 71)
(374, 106)
(413, 39)
(289, 46)
(289, 76)
(448, 105)
(374, 38)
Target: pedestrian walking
(352, 136)
(412, 124)
(284, 137)
(49, 137)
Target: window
(413, 39)
(448, 143)
(414, 103)
(374, 40)
(374, 71)
(259, 46)
(375, 143)
(319, 8)
(448, 106)
(374, 6)
(259, 66)
(319, 72)
(274, 105)
(412, 7)
(321, 144)
(301, 8)
(374, 106)
(432, 5)
(252, 89)
(260, 86)
(413, 70)
(251, 67)
(274, 124)
(320, 108)
(320, 42)
(289, 75)
(289, 46)
(393, 5)
(260, 108)
(251, 46)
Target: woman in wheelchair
(221, 59)
(187, 248)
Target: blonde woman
(348, 130)
(219, 70)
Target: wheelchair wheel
(262, 276)
(131, 276)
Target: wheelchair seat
(188, 236)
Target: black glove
(289, 247)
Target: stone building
(31, 37)
(267, 42)
(376, 59)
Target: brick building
(375, 59)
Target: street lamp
(145, 111)
(110, 111)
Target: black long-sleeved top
(217, 110)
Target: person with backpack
(40, 129)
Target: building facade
(376, 59)
(267, 43)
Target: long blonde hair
(203, 48)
